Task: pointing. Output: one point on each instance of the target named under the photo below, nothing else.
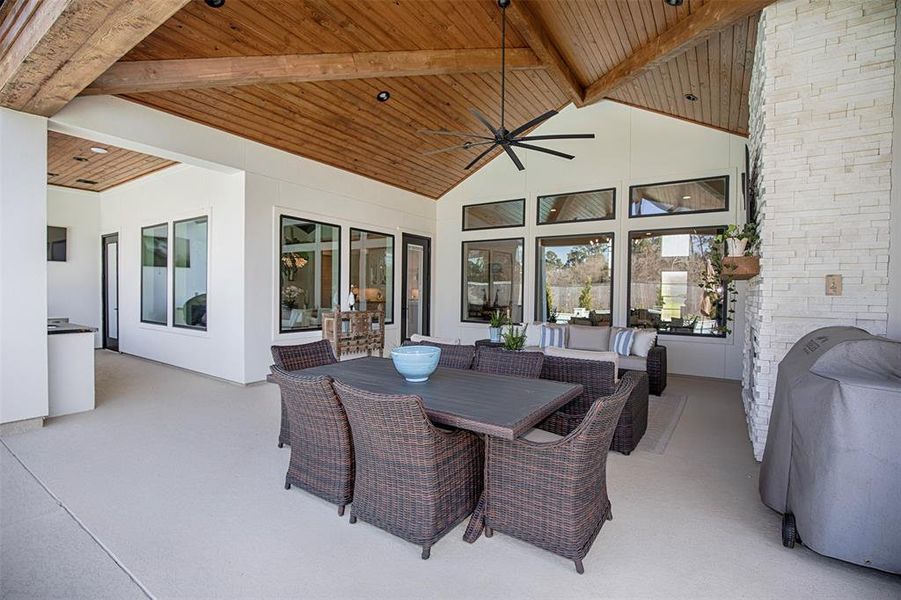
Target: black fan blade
(545, 150)
(484, 121)
(480, 156)
(533, 122)
(562, 136)
(513, 157)
(465, 146)
(454, 133)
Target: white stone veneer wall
(821, 133)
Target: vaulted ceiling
(303, 75)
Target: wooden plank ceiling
(644, 53)
(71, 163)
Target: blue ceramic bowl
(416, 363)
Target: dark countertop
(58, 327)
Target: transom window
(594, 205)
(495, 215)
(679, 197)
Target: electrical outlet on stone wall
(833, 285)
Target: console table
(354, 331)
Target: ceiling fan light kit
(500, 136)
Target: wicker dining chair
(322, 458)
(499, 361)
(596, 377)
(554, 495)
(296, 358)
(413, 480)
(453, 356)
(633, 422)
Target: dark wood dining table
(495, 405)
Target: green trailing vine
(716, 281)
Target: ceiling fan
(501, 136)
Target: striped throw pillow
(624, 340)
(552, 336)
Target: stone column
(821, 137)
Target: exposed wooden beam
(51, 49)
(534, 32)
(163, 75)
(710, 18)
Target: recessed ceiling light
(691, 97)
(99, 150)
(383, 96)
(218, 3)
(553, 210)
(674, 2)
(686, 197)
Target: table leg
(477, 520)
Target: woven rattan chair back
(597, 379)
(303, 356)
(322, 458)
(554, 495)
(453, 356)
(412, 479)
(499, 361)
(296, 358)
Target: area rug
(664, 413)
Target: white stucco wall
(73, 287)
(23, 266)
(274, 183)
(631, 147)
(178, 193)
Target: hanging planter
(720, 272)
(740, 268)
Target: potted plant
(496, 321)
(742, 261)
(552, 315)
(515, 338)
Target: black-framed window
(574, 278)
(154, 274)
(189, 272)
(309, 272)
(576, 207)
(495, 215)
(56, 243)
(372, 271)
(492, 279)
(710, 194)
(665, 268)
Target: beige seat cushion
(586, 337)
(588, 355)
(540, 436)
(633, 363)
(435, 340)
